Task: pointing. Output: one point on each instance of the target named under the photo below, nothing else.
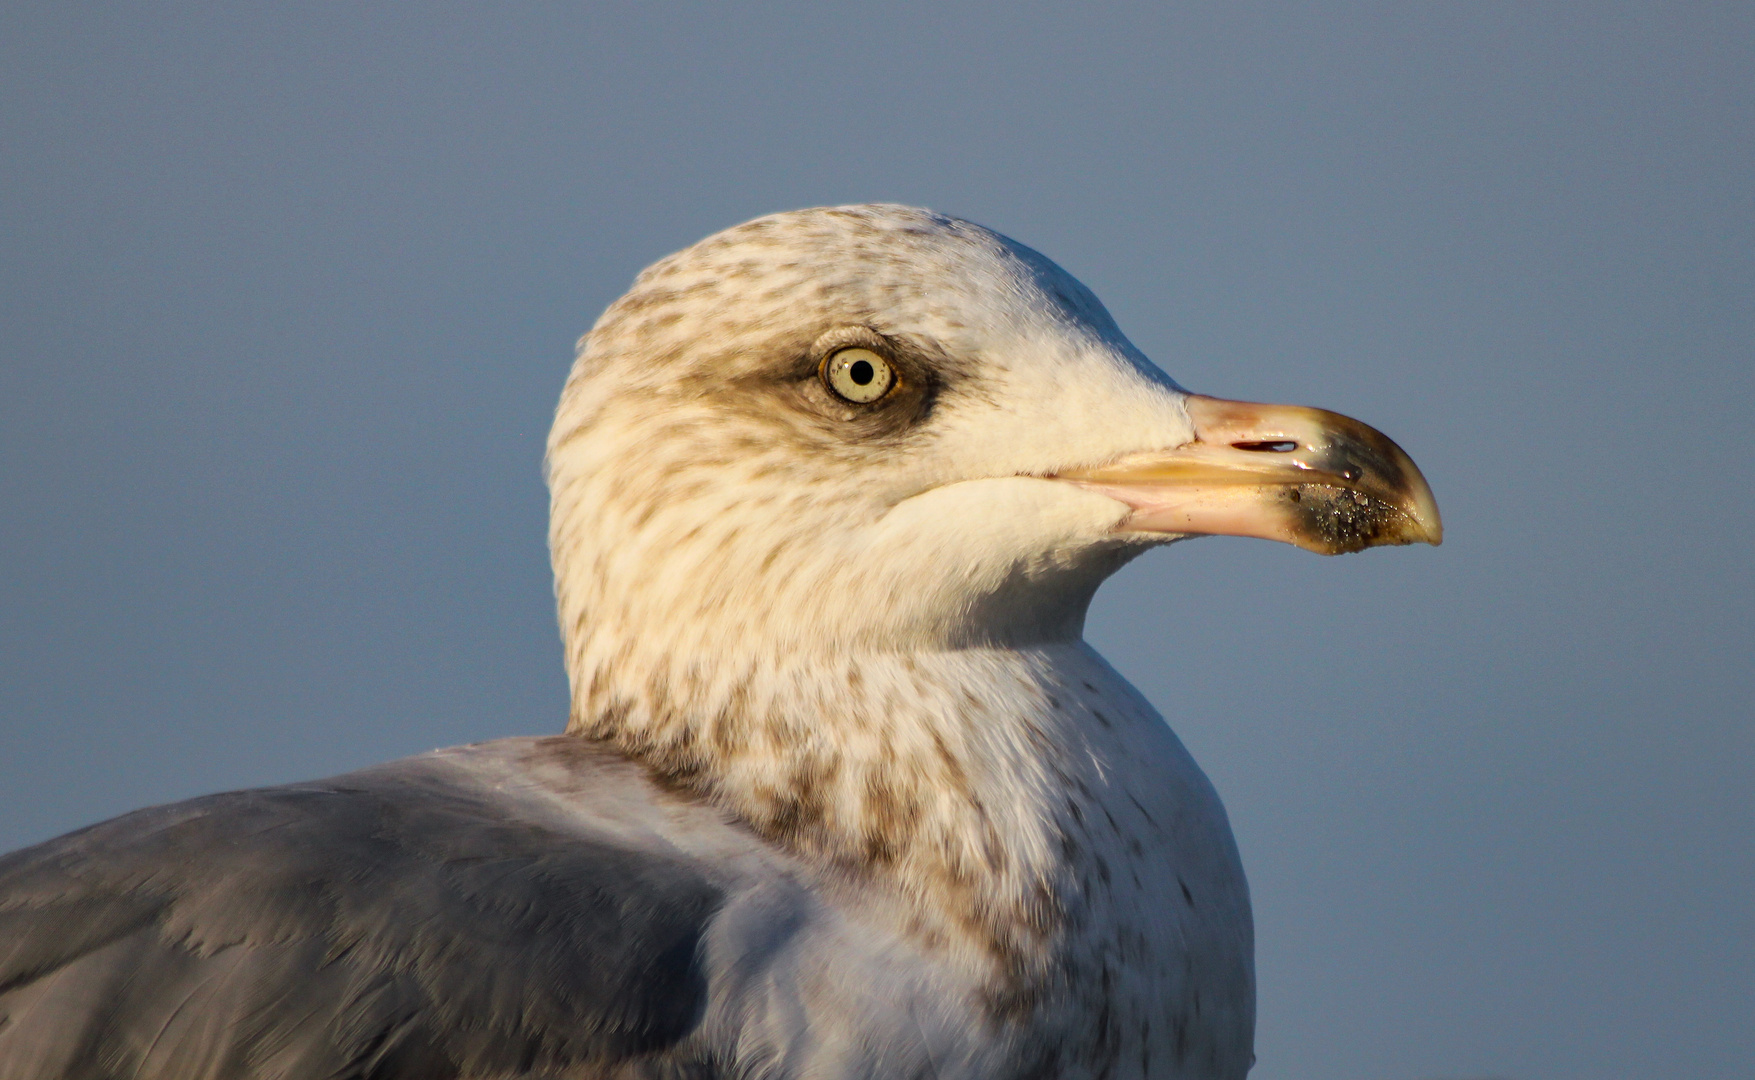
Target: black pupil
(860, 372)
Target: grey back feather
(421, 919)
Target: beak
(1309, 477)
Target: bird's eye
(858, 375)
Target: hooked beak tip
(1322, 481)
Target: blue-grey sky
(289, 291)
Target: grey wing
(379, 929)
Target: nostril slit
(1270, 446)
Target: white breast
(1148, 972)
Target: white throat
(945, 772)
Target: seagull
(843, 793)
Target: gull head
(881, 427)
